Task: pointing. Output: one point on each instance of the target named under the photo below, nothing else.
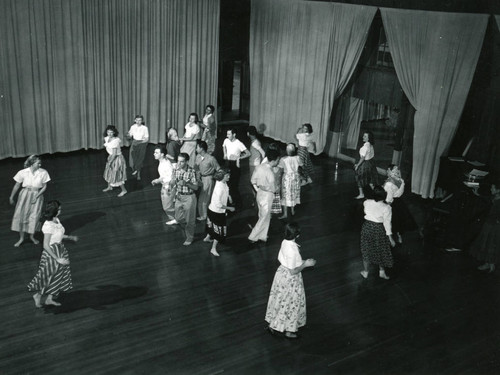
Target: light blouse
(393, 191)
(166, 171)
(191, 130)
(289, 255)
(220, 196)
(29, 179)
(256, 153)
(290, 164)
(55, 229)
(367, 151)
(304, 139)
(379, 212)
(139, 132)
(113, 144)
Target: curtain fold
(497, 17)
(70, 67)
(435, 56)
(355, 117)
(302, 55)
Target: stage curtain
(68, 68)
(302, 55)
(354, 119)
(435, 56)
(498, 20)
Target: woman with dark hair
(216, 214)
(191, 135)
(306, 145)
(365, 169)
(53, 275)
(33, 180)
(376, 233)
(115, 173)
(139, 135)
(286, 307)
(209, 128)
(486, 247)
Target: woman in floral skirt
(286, 307)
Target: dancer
(173, 146)
(54, 274)
(366, 171)
(395, 187)
(264, 183)
(33, 180)
(290, 183)
(139, 135)
(376, 234)
(209, 128)
(257, 153)
(206, 166)
(191, 135)
(486, 247)
(306, 144)
(234, 151)
(216, 220)
(185, 184)
(165, 170)
(286, 307)
(115, 173)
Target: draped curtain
(302, 55)
(435, 56)
(354, 118)
(68, 68)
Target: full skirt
(286, 307)
(290, 189)
(27, 214)
(306, 170)
(115, 172)
(367, 174)
(52, 277)
(375, 245)
(216, 225)
(137, 154)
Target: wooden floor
(144, 304)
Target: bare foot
(208, 239)
(50, 301)
(34, 240)
(37, 297)
(107, 189)
(18, 243)
(122, 193)
(359, 197)
(282, 217)
(214, 252)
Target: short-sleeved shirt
(289, 255)
(290, 164)
(378, 212)
(190, 130)
(206, 165)
(234, 148)
(187, 175)
(29, 179)
(111, 145)
(304, 139)
(219, 197)
(165, 170)
(139, 132)
(367, 151)
(55, 229)
(256, 153)
(263, 178)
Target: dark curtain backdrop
(70, 67)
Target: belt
(31, 188)
(184, 193)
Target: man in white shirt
(165, 170)
(234, 151)
(264, 183)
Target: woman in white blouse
(395, 187)
(53, 275)
(115, 173)
(33, 180)
(286, 307)
(216, 213)
(366, 171)
(376, 234)
(209, 128)
(191, 134)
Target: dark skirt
(306, 169)
(137, 154)
(375, 244)
(367, 174)
(52, 277)
(486, 247)
(216, 225)
(402, 220)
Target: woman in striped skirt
(115, 172)
(365, 169)
(33, 180)
(54, 274)
(376, 234)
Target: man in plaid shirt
(185, 184)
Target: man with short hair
(165, 170)
(205, 166)
(264, 183)
(185, 184)
(234, 151)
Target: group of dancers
(195, 187)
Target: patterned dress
(115, 172)
(52, 277)
(286, 307)
(290, 183)
(305, 141)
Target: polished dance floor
(144, 304)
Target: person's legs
(213, 251)
(364, 273)
(264, 202)
(168, 203)
(190, 218)
(38, 299)
(50, 301)
(382, 274)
